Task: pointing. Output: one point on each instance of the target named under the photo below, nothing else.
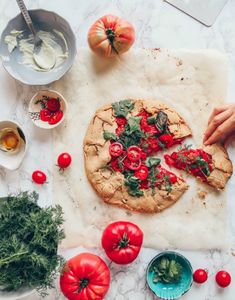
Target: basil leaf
(168, 185)
(132, 133)
(109, 136)
(122, 108)
(161, 122)
(135, 193)
(133, 184)
(167, 271)
(152, 161)
(133, 125)
(151, 120)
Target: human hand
(221, 124)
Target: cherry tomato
(45, 115)
(144, 185)
(119, 130)
(142, 173)
(121, 121)
(116, 166)
(56, 117)
(169, 160)
(200, 276)
(134, 153)
(115, 149)
(53, 104)
(223, 278)
(39, 177)
(64, 160)
(132, 165)
(172, 177)
(167, 140)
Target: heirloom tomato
(85, 277)
(122, 241)
(110, 36)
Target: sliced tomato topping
(121, 121)
(167, 140)
(169, 160)
(134, 153)
(153, 144)
(115, 149)
(119, 129)
(144, 184)
(142, 173)
(172, 177)
(132, 165)
(117, 166)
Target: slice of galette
(210, 164)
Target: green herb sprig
(167, 271)
(29, 237)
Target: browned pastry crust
(223, 167)
(109, 185)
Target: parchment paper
(192, 82)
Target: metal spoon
(38, 42)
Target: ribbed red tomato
(122, 241)
(85, 277)
(111, 35)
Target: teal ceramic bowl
(171, 291)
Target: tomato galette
(120, 148)
(210, 164)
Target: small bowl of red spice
(47, 109)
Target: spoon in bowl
(43, 54)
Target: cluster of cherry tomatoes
(222, 277)
(63, 161)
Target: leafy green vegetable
(132, 133)
(152, 178)
(161, 122)
(203, 165)
(167, 271)
(168, 185)
(122, 108)
(151, 120)
(152, 161)
(133, 125)
(133, 184)
(109, 136)
(28, 243)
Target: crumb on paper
(202, 194)
(179, 62)
(233, 252)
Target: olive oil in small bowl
(12, 145)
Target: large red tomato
(122, 241)
(85, 277)
(111, 35)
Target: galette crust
(223, 168)
(110, 185)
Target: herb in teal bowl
(169, 275)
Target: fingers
(225, 128)
(215, 122)
(217, 111)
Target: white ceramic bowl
(12, 161)
(35, 106)
(43, 20)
